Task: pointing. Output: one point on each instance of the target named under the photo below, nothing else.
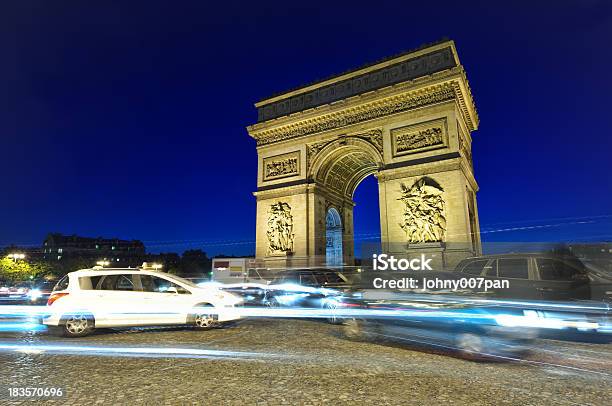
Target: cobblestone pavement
(271, 362)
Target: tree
(195, 262)
(19, 271)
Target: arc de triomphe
(408, 121)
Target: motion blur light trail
(562, 357)
(524, 318)
(27, 326)
(135, 351)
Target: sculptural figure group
(424, 219)
(280, 228)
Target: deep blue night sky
(128, 120)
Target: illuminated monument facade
(408, 121)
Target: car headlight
(34, 294)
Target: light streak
(494, 356)
(475, 317)
(28, 326)
(134, 351)
(529, 314)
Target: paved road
(272, 362)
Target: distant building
(58, 247)
(230, 269)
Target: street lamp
(157, 266)
(103, 263)
(15, 256)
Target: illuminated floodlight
(103, 263)
(155, 266)
(16, 255)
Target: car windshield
(45, 285)
(62, 284)
(184, 281)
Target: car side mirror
(172, 290)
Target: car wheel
(273, 303)
(77, 325)
(202, 318)
(353, 329)
(332, 306)
(470, 345)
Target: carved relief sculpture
(281, 166)
(313, 149)
(424, 218)
(375, 137)
(418, 138)
(280, 229)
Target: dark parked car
(531, 276)
(600, 279)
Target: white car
(97, 298)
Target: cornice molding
(410, 67)
(446, 86)
(355, 115)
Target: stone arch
(317, 143)
(343, 163)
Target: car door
(117, 300)
(163, 305)
(477, 267)
(558, 280)
(517, 271)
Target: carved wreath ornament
(280, 228)
(424, 219)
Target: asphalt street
(275, 361)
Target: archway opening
(337, 170)
(333, 238)
(366, 219)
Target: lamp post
(15, 256)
